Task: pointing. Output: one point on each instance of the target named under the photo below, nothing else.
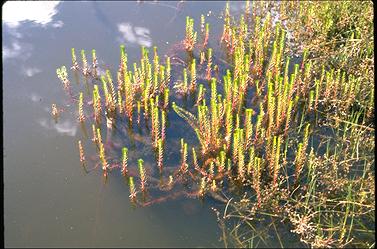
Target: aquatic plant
(85, 68)
(202, 188)
(97, 104)
(63, 76)
(155, 131)
(248, 128)
(75, 65)
(214, 186)
(160, 150)
(195, 159)
(192, 86)
(209, 64)
(257, 177)
(221, 162)
(94, 131)
(227, 32)
(168, 71)
(300, 156)
(276, 160)
(184, 165)
(54, 111)
(163, 126)
(81, 104)
(94, 64)
(200, 94)
(202, 57)
(81, 152)
(129, 96)
(143, 177)
(109, 102)
(206, 35)
(132, 188)
(120, 106)
(102, 155)
(124, 169)
(241, 154)
(190, 39)
(166, 98)
(255, 127)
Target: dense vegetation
(284, 134)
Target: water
(48, 198)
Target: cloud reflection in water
(136, 35)
(65, 127)
(16, 12)
(31, 71)
(17, 50)
(41, 12)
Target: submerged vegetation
(282, 111)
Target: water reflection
(58, 24)
(65, 127)
(40, 12)
(35, 98)
(16, 13)
(31, 87)
(236, 7)
(30, 71)
(17, 50)
(135, 35)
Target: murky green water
(48, 198)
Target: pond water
(49, 200)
